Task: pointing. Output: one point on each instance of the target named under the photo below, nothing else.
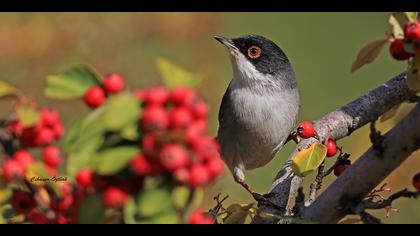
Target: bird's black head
(261, 52)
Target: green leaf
(167, 217)
(174, 76)
(131, 215)
(411, 16)
(130, 131)
(5, 194)
(6, 89)
(309, 159)
(27, 115)
(115, 159)
(7, 213)
(368, 54)
(153, 202)
(120, 111)
(180, 196)
(413, 74)
(92, 210)
(238, 213)
(72, 83)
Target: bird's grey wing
(225, 106)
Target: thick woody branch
(367, 172)
(337, 124)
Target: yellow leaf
(238, 217)
(413, 74)
(368, 53)
(309, 159)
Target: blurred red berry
(154, 119)
(49, 117)
(331, 147)
(95, 97)
(215, 166)
(84, 177)
(58, 130)
(206, 147)
(157, 96)
(16, 127)
(65, 187)
(52, 171)
(113, 83)
(141, 95)
(140, 165)
(44, 136)
(306, 130)
(114, 197)
(63, 204)
(149, 144)
(52, 156)
(180, 118)
(416, 181)
(338, 170)
(183, 97)
(23, 157)
(200, 110)
(411, 30)
(199, 217)
(197, 129)
(199, 175)
(173, 156)
(27, 137)
(23, 202)
(397, 50)
(182, 175)
(12, 169)
(61, 220)
(36, 217)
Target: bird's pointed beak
(226, 41)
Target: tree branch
(337, 124)
(369, 170)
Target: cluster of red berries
(48, 129)
(95, 96)
(404, 48)
(306, 130)
(175, 141)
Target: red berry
(61, 220)
(23, 157)
(180, 118)
(114, 197)
(84, 177)
(397, 50)
(331, 147)
(16, 127)
(200, 110)
(338, 170)
(49, 117)
(199, 175)
(206, 147)
(27, 137)
(113, 83)
(44, 136)
(183, 97)
(12, 169)
(141, 95)
(306, 130)
(182, 175)
(149, 144)
(65, 187)
(157, 96)
(199, 217)
(51, 170)
(197, 129)
(141, 166)
(23, 202)
(411, 30)
(95, 97)
(154, 119)
(63, 204)
(215, 166)
(36, 217)
(173, 156)
(58, 130)
(52, 156)
(416, 181)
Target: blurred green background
(321, 47)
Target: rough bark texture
(337, 124)
(369, 170)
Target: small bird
(260, 107)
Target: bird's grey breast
(255, 120)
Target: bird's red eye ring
(254, 52)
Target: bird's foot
(293, 136)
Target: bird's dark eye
(254, 52)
